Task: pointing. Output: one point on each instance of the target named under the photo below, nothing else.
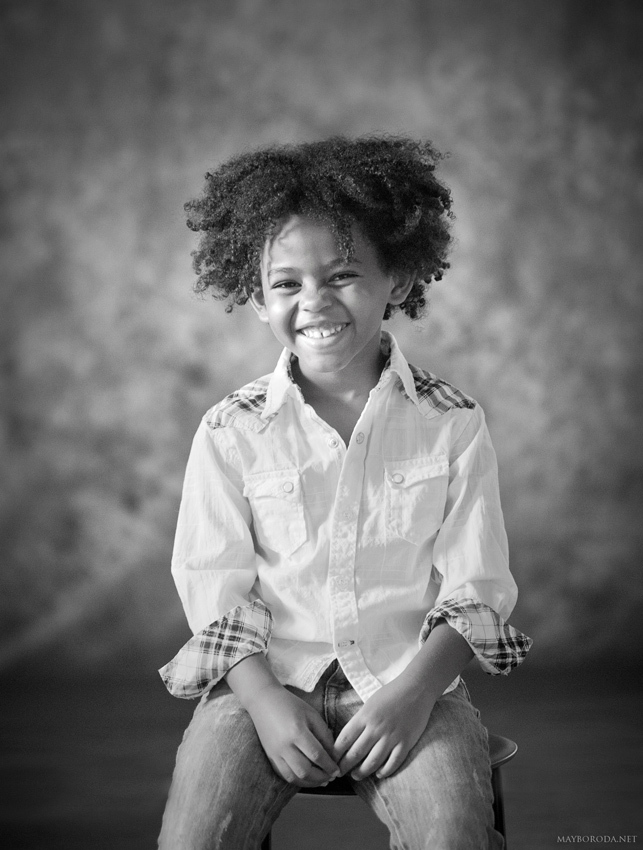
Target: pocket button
(288, 487)
(397, 478)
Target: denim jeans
(225, 795)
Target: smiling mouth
(322, 331)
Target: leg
(224, 794)
(441, 797)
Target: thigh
(224, 792)
(441, 797)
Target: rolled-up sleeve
(208, 656)
(214, 566)
(477, 591)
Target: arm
(382, 733)
(477, 590)
(293, 734)
(214, 566)
(470, 554)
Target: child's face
(325, 310)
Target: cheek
(280, 316)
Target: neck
(349, 385)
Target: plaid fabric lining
(241, 408)
(208, 656)
(497, 645)
(438, 393)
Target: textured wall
(111, 114)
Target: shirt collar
(282, 384)
(398, 365)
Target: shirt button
(398, 478)
(343, 582)
(359, 438)
(288, 487)
(347, 515)
(343, 643)
(333, 443)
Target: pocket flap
(281, 484)
(404, 473)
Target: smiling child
(340, 550)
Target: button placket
(344, 610)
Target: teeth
(322, 332)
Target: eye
(345, 275)
(284, 284)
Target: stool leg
(498, 803)
(266, 844)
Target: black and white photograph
(321, 370)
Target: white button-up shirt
(292, 543)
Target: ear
(259, 303)
(402, 284)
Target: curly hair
(385, 185)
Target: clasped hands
(377, 739)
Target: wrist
(251, 680)
(256, 699)
(418, 685)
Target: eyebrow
(280, 269)
(340, 261)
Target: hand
(380, 736)
(294, 737)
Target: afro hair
(384, 185)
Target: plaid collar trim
(430, 394)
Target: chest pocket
(277, 505)
(416, 492)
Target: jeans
(225, 795)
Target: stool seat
(501, 750)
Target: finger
(394, 762)
(317, 756)
(323, 735)
(374, 760)
(356, 753)
(305, 772)
(346, 738)
(281, 768)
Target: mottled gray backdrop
(111, 114)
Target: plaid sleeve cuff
(497, 645)
(208, 656)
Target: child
(340, 551)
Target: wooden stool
(501, 750)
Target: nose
(314, 297)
